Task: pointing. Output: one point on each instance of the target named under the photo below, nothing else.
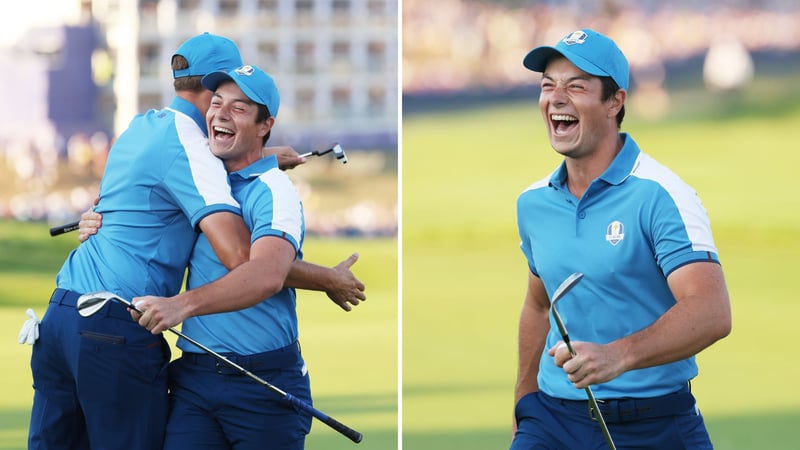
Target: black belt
(66, 297)
(630, 409)
(282, 358)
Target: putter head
(339, 153)
(89, 304)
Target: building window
(304, 56)
(376, 8)
(340, 101)
(304, 104)
(228, 8)
(149, 59)
(341, 7)
(376, 56)
(340, 55)
(377, 101)
(304, 7)
(185, 6)
(267, 6)
(268, 55)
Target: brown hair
(191, 83)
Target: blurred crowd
(464, 44)
(40, 181)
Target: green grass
(464, 277)
(352, 357)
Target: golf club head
(89, 304)
(565, 286)
(338, 152)
(562, 289)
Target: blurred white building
(335, 61)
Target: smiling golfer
(213, 406)
(653, 293)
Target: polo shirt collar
(186, 107)
(254, 170)
(621, 167)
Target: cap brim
(214, 79)
(536, 60)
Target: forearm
(533, 328)
(683, 331)
(308, 276)
(245, 286)
(701, 316)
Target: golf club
(594, 409)
(66, 228)
(89, 304)
(336, 149)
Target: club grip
(351, 434)
(66, 228)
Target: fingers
(348, 263)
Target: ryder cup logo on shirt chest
(615, 232)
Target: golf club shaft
(350, 433)
(593, 406)
(316, 153)
(66, 228)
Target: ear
(265, 126)
(616, 101)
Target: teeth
(563, 118)
(223, 130)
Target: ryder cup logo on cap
(588, 50)
(256, 84)
(207, 53)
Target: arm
(226, 232)
(338, 282)
(701, 316)
(228, 236)
(534, 324)
(288, 158)
(250, 283)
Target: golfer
(213, 406)
(653, 293)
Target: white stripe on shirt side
(208, 171)
(287, 210)
(690, 208)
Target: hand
(90, 222)
(288, 158)
(592, 363)
(346, 289)
(157, 313)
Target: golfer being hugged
(652, 294)
(213, 406)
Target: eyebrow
(576, 77)
(244, 99)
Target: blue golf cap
(207, 53)
(590, 51)
(256, 84)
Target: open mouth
(563, 123)
(222, 133)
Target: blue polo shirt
(270, 207)
(634, 225)
(160, 180)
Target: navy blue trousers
(99, 382)
(670, 422)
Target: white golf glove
(30, 329)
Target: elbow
(235, 258)
(722, 328)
